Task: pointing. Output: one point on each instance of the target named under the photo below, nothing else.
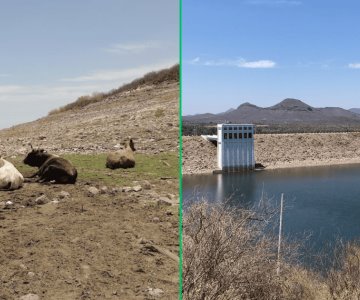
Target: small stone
(146, 185)
(143, 241)
(42, 200)
(64, 195)
(31, 274)
(9, 204)
(30, 297)
(115, 191)
(93, 191)
(155, 292)
(127, 189)
(169, 213)
(103, 190)
(171, 196)
(156, 220)
(55, 201)
(137, 188)
(164, 201)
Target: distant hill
(355, 110)
(289, 111)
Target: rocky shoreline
(277, 151)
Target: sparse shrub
(152, 78)
(159, 113)
(343, 279)
(229, 254)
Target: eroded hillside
(149, 114)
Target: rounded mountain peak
(247, 104)
(292, 104)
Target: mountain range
(288, 111)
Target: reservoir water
(321, 201)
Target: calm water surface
(323, 201)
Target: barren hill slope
(149, 114)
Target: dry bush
(159, 113)
(230, 254)
(227, 256)
(343, 279)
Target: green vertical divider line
(180, 151)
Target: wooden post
(280, 230)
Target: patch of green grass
(91, 167)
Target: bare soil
(115, 244)
(279, 151)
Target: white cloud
(70, 89)
(122, 75)
(240, 63)
(195, 60)
(274, 2)
(9, 89)
(133, 47)
(260, 64)
(354, 66)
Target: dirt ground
(120, 242)
(280, 151)
(84, 246)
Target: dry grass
(343, 279)
(226, 255)
(152, 78)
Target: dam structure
(235, 147)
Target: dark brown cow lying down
(51, 167)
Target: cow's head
(36, 157)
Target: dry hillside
(279, 151)
(149, 114)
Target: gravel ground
(280, 151)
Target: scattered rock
(64, 195)
(104, 190)
(42, 200)
(9, 204)
(31, 274)
(155, 292)
(146, 185)
(127, 189)
(137, 188)
(156, 220)
(93, 191)
(30, 297)
(143, 241)
(164, 201)
(171, 196)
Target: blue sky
(263, 51)
(55, 51)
